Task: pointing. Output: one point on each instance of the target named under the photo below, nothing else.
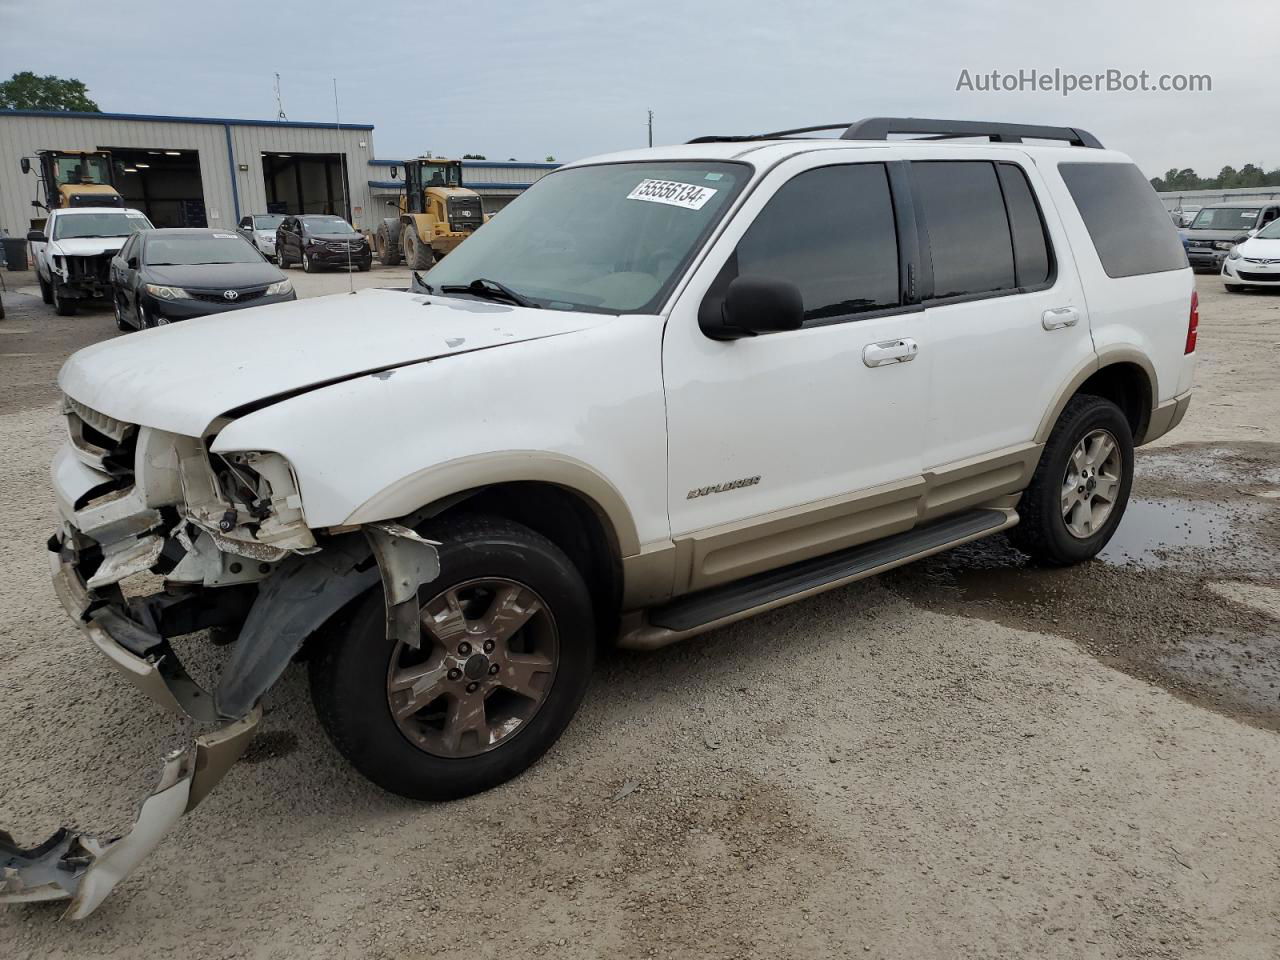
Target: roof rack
(881, 128)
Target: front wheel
(506, 649)
(1081, 486)
(61, 305)
(417, 255)
(308, 265)
(1234, 287)
(46, 289)
(122, 324)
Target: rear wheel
(417, 255)
(506, 650)
(61, 305)
(1080, 489)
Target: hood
(215, 276)
(86, 246)
(1261, 249)
(183, 376)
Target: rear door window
(1125, 218)
(969, 237)
(831, 232)
(1032, 259)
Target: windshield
(440, 175)
(609, 239)
(171, 250)
(1225, 218)
(81, 168)
(1271, 231)
(268, 222)
(70, 226)
(326, 225)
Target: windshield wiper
(490, 290)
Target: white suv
(664, 391)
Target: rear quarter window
(1126, 220)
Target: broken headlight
(261, 500)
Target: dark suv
(317, 241)
(1220, 226)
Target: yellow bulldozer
(73, 178)
(436, 213)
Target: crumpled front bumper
(83, 870)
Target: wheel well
(574, 524)
(1128, 387)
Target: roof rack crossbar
(880, 128)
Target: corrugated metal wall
(1174, 199)
(22, 135)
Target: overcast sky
(533, 78)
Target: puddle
(1156, 533)
(1236, 673)
(1221, 468)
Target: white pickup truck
(73, 252)
(664, 391)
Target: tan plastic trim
(1165, 417)
(978, 480)
(508, 466)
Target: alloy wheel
(1091, 483)
(487, 661)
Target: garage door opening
(164, 184)
(305, 183)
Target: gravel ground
(966, 758)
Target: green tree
(26, 91)
(474, 156)
(550, 159)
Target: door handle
(890, 351)
(1059, 317)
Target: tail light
(1193, 324)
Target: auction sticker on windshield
(687, 195)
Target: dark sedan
(318, 241)
(160, 276)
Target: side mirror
(752, 305)
(25, 164)
(132, 263)
(395, 172)
(37, 236)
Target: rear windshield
(190, 249)
(1127, 222)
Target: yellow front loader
(436, 213)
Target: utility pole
(651, 128)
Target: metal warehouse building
(210, 171)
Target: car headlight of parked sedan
(279, 288)
(166, 293)
(1235, 254)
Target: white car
(260, 230)
(1254, 262)
(73, 251)
(665, 390)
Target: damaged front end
(228, 536)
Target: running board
(717, 606)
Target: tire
(351, 673)
(308, 265)
(364, 267)
(1234, 287)
(63, 308)
(387, 243)
(417, 255)
(122, 324)
(46, 289)
(1045, 532)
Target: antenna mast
(279, 103)
(346, 204)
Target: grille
(215, 296)
(90, 268)
(1259, 277)
(103, 442)
(1261, 260)
(465, 213)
